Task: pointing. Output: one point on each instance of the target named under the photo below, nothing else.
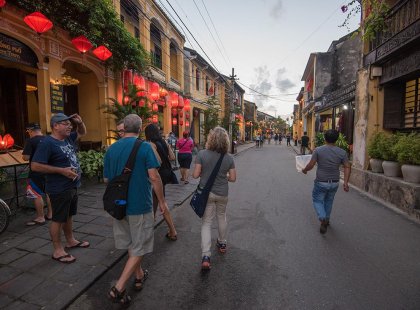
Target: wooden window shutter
(393, 106)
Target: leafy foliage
(386, 146)
(319, 139)
(3, 175)
(98, 21)
(374, 146)
(91, 163)
(408, 149)
(211, 116)
(342, 142)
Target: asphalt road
(277, 259)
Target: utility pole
(231, 106)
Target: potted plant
(374, 152)
(91, 163)
(408, 155)
(390, 164)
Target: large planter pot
(376, 165)
(411, 173)
(391, 168)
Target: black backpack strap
(214, 173)
(132, 158)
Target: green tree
(211, 116)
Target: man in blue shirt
(135, 231)
(56, 157)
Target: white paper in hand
(302, 161)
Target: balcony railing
(399, 27)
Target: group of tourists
(55, 174)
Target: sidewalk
(30, 279)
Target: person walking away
(35, 188)
(304, 143)
(280, 138)
(276, 138)
(269, 138)
(329, 158)
(185, 147)
(56, 157)
(288, 139)
(296, 139)
(164, 154)
(262, 140)
(134, 232)
(257, 141)
(217, 144)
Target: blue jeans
(323, 198)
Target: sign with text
(57, 98)
(16, 51)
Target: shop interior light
(345, 107)
(38, 22)
(67, 80)
(31, 88)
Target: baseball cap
(33, 126)
(59, 117)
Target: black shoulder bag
(200, 196)
(116, 192)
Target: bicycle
(5, 214)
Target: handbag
(116, 192)
(200, 196)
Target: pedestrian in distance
(217, 144)
(276, 139)
(304, 143)
(296, 139)
(56, 157)
(329, 158)
(35, 188)
(257, 141)
(185, 147)
(262, 140)
(164, 155)
(269, 138)
(135, 231)
(280, 138)
(288, 139)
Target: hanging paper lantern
(102, 53)
(181, 114)
(187, 115)
(174, 99)
(141, 93)
(139, 82)
(82, 44)
(38, 22)
(142, 103)
(186, 104)
(181, 122)
(6, 142)
(163, 92)
(2, 3)
(187, 123)
(180, 102)
(155, 119)
(154, 91)
(174, 112)
(174, 121)
(155, 107)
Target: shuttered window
(412, 104)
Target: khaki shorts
(135, 233)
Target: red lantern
(2, 3)
(186, 104)
(155, 119)
(174, 99)
(140, 82)
(174, 121)
(181, 122)
(142, 103)
(155, 107)
(181, 114)
(187, 115)
(6, 142)
(102, 53)
(154, 91)
(82, 44)
(127, 78)
(174, 112)
(187, 123)
(163, 92)
(38, 22)
(180, 102)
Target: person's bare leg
(132, 265)
(55, 233)
(168, 219)
(39, 207)
(49, 209)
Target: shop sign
(57, 99)
(16, 51)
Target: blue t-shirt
(140, 189)
(58, 153)
(29, 149)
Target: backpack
(116, 192)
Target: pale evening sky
(268, 42)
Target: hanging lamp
(102, 53)
(82, 44)
(38, 22)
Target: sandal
(138, 283)
(119, 297)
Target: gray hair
(132, 123)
